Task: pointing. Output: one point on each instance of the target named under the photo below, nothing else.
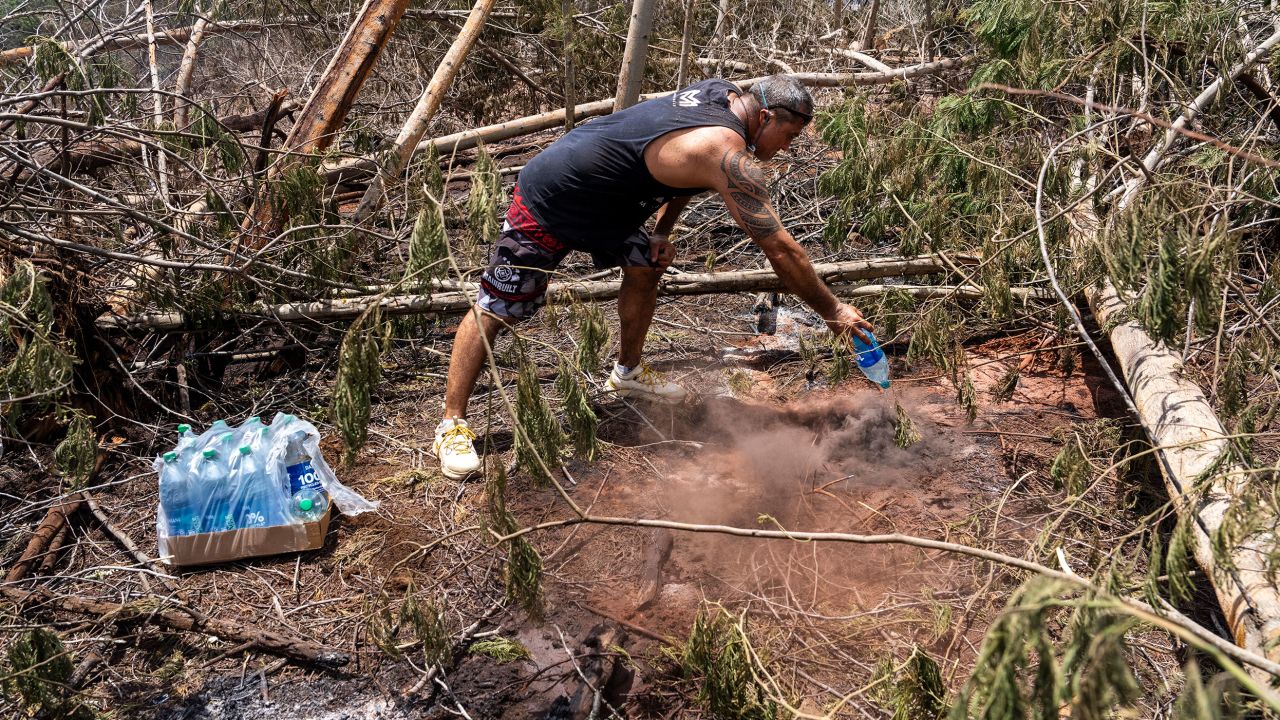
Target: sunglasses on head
(806, 117)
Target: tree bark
(43, 537)
(416, 126)
(324, 113)
(458, 297)
(1186, 431)
(686, 42)
(631, 76)
(869, 34)
(570, 67)
(186, 70)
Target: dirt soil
(758, 448)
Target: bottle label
(303, 476)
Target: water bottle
(186, 438)
(212, 485)
(210, 473)
(253, 501)
(176, 498)
(309, 505)
(250, 428)
(871, 360)
(297, 463)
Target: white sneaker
(642, 382)
(454, 447)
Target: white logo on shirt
(688, 98)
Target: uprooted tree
(1106, 170)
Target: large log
(132, 42)
(323, 115)
(459, 297)
(416, 125)
(361, 168)
(1186, 431)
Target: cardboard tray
(209, 548)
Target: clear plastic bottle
(208, 475)
(297, 462)
(248, 429)
(254, 503)
(309, 505)
(871, 360)
(186, 438)
(180, 508)
(215, 485)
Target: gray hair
(784, 92)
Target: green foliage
(1006, 385)
(935, 336)
(919, 693)
(359, 370)
(502, 649)
(540, 439)
(76, 455)
(717, 655)
(1017, 669)
(39, 669)
(425, 177)
(895, 304)
(1220, 701)
(428, 245)
(840, 367)
(482, 203)
(1161, 308)
(581, 418)
(967, 396)
(1072, 468)
(427, 622)
(904, 434)
(593, 336)
(37, 367)
(1231, 384)
(523, 574)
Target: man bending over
(595, 188)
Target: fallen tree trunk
(360, 169)
(132, 42)
(416, 126)
(326, 110)
(159, 611)
(43, 537)
(455, 301)
(1187, 433)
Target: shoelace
(649, 376)
(457, 439)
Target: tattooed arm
(741, 182)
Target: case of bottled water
(252, 490)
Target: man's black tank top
(591, 188)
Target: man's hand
(846, 320)
(661, 251)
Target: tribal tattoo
(747, 189)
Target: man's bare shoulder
(690, 158)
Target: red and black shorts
(514, 285)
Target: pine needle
(904, 434)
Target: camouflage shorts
(514, 285)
